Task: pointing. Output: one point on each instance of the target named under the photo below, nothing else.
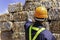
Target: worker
(36, 30)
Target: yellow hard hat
(41, 12)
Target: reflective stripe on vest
(39, 30)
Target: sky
(4, 5)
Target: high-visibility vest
(39, 30)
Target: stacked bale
(19, 31)
(57, 36)
(15, 7)
(55, 27)
(19, 18)
(6, 17)
(12, 24)
(54, 14)
(6, 33)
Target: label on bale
(15, 7)
(20, 16)
(6, 17)
(6, 26)
(55, 26)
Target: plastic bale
(6, 17)
(30, 6)
(19, 26)
(31, 14)
(55, 26)
(57, 36)
(6, 26)
(47, 4)
(15, 7)
(6, 35)
(53, 14)
(18, 36)
(20, 16)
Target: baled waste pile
(12, 23)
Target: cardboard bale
(6, 17)
(6, 35)
(57, 36)
(55, 26)
(20, 16)
(18, 36)
(15, 7)
(6, 26)
(19, 26)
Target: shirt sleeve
(48, 35)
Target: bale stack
(6, 32)
(19, 18)
(15, 7)
(12, 24)
(53, 7)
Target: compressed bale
(47, 4)
(30, 6)
(6, 26)
(15, 7)
(55, 26)
(31, 14)
(57, 36)
(20, 16)
(19, 26)
(6, 17)
(54, 14)
(6, 35)
(18, 36)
